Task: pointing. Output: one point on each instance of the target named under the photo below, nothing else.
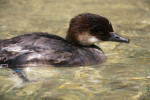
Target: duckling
(77, 49)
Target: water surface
(124, 76)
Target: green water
(124, 76)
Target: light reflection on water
(125, 75)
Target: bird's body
(47, 49)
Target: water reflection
(125, 75)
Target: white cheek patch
(87, 39)
(93, 40)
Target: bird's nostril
(117, 37)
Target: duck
(78, 48)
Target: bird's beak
(116, 38)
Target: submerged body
(77, 49)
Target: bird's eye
(97, 28)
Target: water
(125, 75)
